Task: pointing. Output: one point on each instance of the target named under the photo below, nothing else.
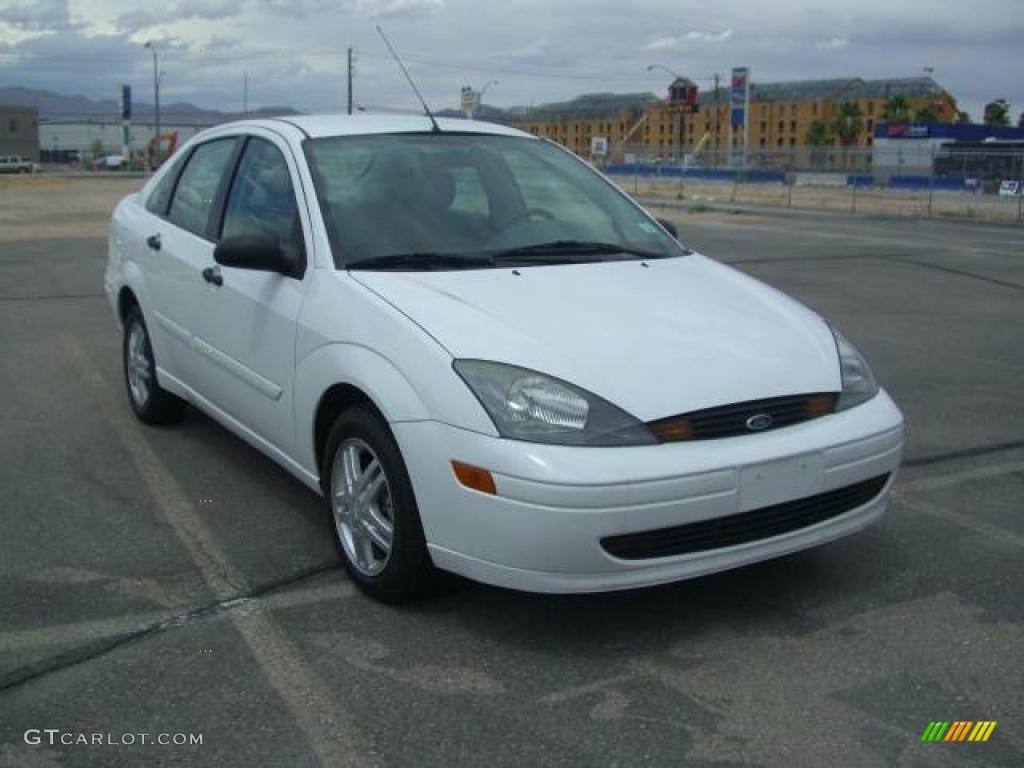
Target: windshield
(464, 200)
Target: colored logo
(958, 730)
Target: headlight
(858, 382)
(526, 405)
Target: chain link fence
(925, 179)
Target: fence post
(931, 182)
(1020, 189)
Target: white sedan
(488, 359)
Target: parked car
(488, 359)
(110, 162)
(15, 164)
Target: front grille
(755, 525)
(730, 420)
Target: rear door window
(194, 196)
(160, 197)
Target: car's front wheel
(151, 403)
(376, 521)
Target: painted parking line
(81, 632)
(329, 729)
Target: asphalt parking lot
(176, 581)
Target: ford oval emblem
(758, 422)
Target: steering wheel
(527, 214)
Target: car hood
(656, 338)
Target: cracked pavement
(127, 606)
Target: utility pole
(350, 80)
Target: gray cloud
(679, 42)
(181, 10)
(294, 50)
(52, 15)
(393, 8)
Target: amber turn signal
(475, 478)
(672, 430)
(819, 405)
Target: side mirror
(260, 252)
(669, 227)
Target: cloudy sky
(537, 50)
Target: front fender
(360, 367)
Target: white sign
(470, 99)
(599, 146)
(1010, 188)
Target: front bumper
(542, 532)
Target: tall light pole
(156, 96)
(480, 96)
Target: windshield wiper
(421, 262)
(569, 251)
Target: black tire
(408, 572)
(158, 406)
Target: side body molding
(243, 373)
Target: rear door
(180, 249)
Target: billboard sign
(739, 96)
(599, 146)
(907, 131)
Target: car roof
(320, 126)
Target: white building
(60, 140)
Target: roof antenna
(437, 128)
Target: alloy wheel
(363, 506)
(140, 372)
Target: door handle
(212, 275)
(153, 241)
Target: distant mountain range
(57, 106)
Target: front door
(245, 323)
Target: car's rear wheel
(376, 522)
(151, 403)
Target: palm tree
(896, 110)
(816, 138)
(925, 115)
(997, 112)
(847, 125)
